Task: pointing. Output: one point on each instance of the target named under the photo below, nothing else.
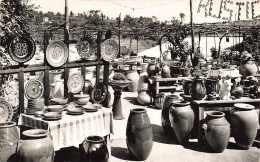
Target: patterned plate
(86, 47)
(75, 83)
(57, 53)
(6, 111)
(99, 93)
(34, 89)
(109, 50)
(22, 49)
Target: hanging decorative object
(109, 50)
(57, 53)
(86, 47)
(6, 111)
(34, 89)
(99, 93)
(22, 49)
(75, 83)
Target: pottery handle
(205, 126)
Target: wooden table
(200, 106)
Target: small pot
(81, 99)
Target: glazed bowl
(82, 99)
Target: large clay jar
(134, 77)
(159, 100)
(249, 68)
(244, 124)
(139, 134)
(216, 131)
(94, 149)
(166, 71)
(35, 146)
(144, 97)
(187, 86)
(9, 138)
(151, 69)
(212, 85)
(198, 89)
(182, 119)
(165, 113)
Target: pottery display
(181, 119)
(144, 97)
(187, 86)
(134, 77)
(94, 149)
(170, 99)
(139, 134)
(212, 85)
(244, 124)
(9, 138)
(36, 145)
(216, 131)
(198, 89)
(159, 100)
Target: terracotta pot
(9, 138)
(144, 98)
(134, 77)
(151, 69)
(244, 124)
(216, 131)
(139, 134)
(187, 86)
(249, 68)
(143, 80)
(175, 71)
(159, 100)
(212, 85)
(36, 146)
(94, 148)
(166, 71)
(185, 72)
(198, 89)
(237, 92)
(165, 113)
(182, 119)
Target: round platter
(99, 93)
(22, 49)
(34, 89)
(6, 111)
(109, 50)
(75, 83)
(86, 47)
(57, 53)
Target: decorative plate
(22, 49)
(109, 50)
(75, 83)
(57, 53)
(86, 47)
(34, 89)
(6, 111)
(99, 93)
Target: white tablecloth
(71, 130)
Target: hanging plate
(34, 89)
(86, 47)
(75, 83)
(99, 93)
(22, 49)
(6, 111)
(109, 50)
(57, 53)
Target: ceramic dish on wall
(57, 53)
(99, 93)
(109, 50)
(22, 49)
(34, 89)
(86, 47)
(75, 83)
(6, 111)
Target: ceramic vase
(212, 85)
(134, 77)
(9, 138)
(144, 97)
(244, 124)
(187, 86)
(216, 131)
(35, 146)
(139, 134)
(198, 89)
(94, 149)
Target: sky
(162, 9)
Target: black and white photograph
(129, 80)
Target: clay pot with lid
(216, 131)
(244, 124)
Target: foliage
(214, 52)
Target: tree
(71, 14)
(15, 18)
(182, 16)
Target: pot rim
(94, 139)
(36, 133)
(138, 110)
(7, 124)
(243, 106)
(216, 114)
